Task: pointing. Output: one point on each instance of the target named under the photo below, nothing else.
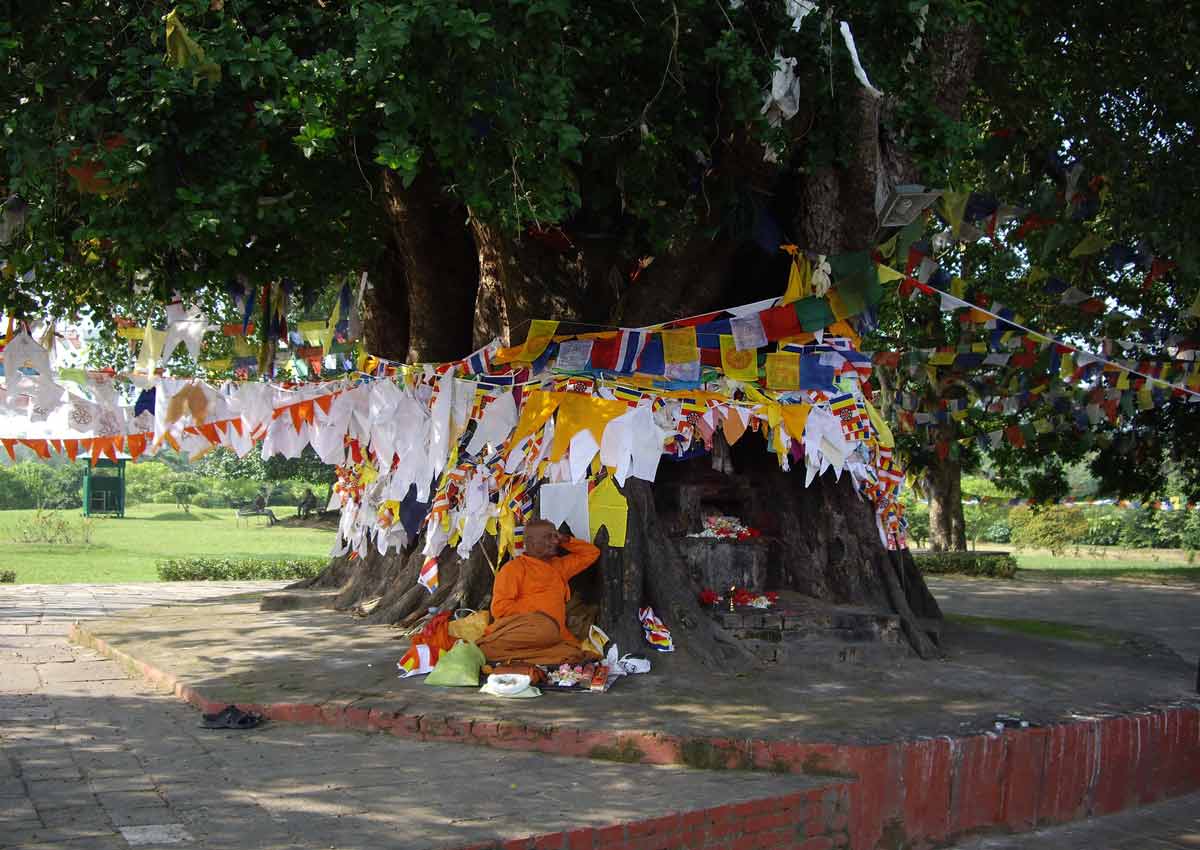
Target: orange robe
(527, 585)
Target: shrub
(1189, 536)
(1138, 530)
(989, 564)
(1053, 527)
(917, 516)
(8, 577)
(49, 527)
(998, 532)
(244, 569)
(1103, 529)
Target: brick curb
(914, 793)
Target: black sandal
(230, 717)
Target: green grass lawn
(127, 549)
(1161, 566)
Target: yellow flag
(795, 417)
(740, 365)
(153, 341)
(608, 508)
(1090, 244)
(783, 371)
(953, 206)
(679, 345)
(885, 433)
(799, 279)
(541, 332)
(887, 273)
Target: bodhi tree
(493, 162)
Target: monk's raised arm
(580, 555)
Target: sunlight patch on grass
(126, 550)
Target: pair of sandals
(231, 717)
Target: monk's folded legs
(532, 638)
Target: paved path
(91, 760)
(1173, 825)
(1171, 613)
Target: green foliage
(986, 564)
(981, 518)
(917, 515)
(998, 532)
(1103, 529)
(226, 465)
(37, 484)
(244, 569)
(1053, 527)
(7, 576)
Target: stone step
(828, 651)
(849, 635)
(839, 624)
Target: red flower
(709, 597)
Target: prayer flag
(679, 345)
(652, 360)
(783, 371)
(541, 332)
(740, 365)
(428, 578)
(629, 349)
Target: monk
(529, 600)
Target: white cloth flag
(499, 419)
(567, 503)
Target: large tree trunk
(427, 294)
(457, 281)
(947, 529)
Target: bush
(1053, 527)
(1103, 529)
(989, 564)
(49, 527)
(1138, 529)
(8, 577)
(245, 569)
(998, 532)
(917, 516)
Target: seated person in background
(529, 600)
(308, 504)
(261, 509)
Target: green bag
(458, 667)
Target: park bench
(246, 511)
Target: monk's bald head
(541, 539)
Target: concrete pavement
(91, 760)
(1170, 613)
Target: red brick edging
(903, 794)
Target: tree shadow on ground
(234, 653)
(93, 763)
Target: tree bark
(947, 528)
(434, 258)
